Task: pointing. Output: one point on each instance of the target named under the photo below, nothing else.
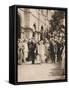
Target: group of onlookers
(43, 51)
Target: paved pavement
(37, 72)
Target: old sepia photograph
(41, 44)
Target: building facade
(33, 23)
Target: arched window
(34, 25)
(42, 34)
(41, 27)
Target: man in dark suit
(51, 49)
(59, 51)
(32, 50)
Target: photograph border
(16, 46)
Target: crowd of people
(44, 51)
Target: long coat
(51, 49)
(31, 51)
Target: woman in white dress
(38, 57)
(63, 60)
(42, 51)
(25, 50)
(20, 52)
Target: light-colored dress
(25, 51)
(47, 50)
(38, 58)
(63, 59)
(20, 53)
(42, 52)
